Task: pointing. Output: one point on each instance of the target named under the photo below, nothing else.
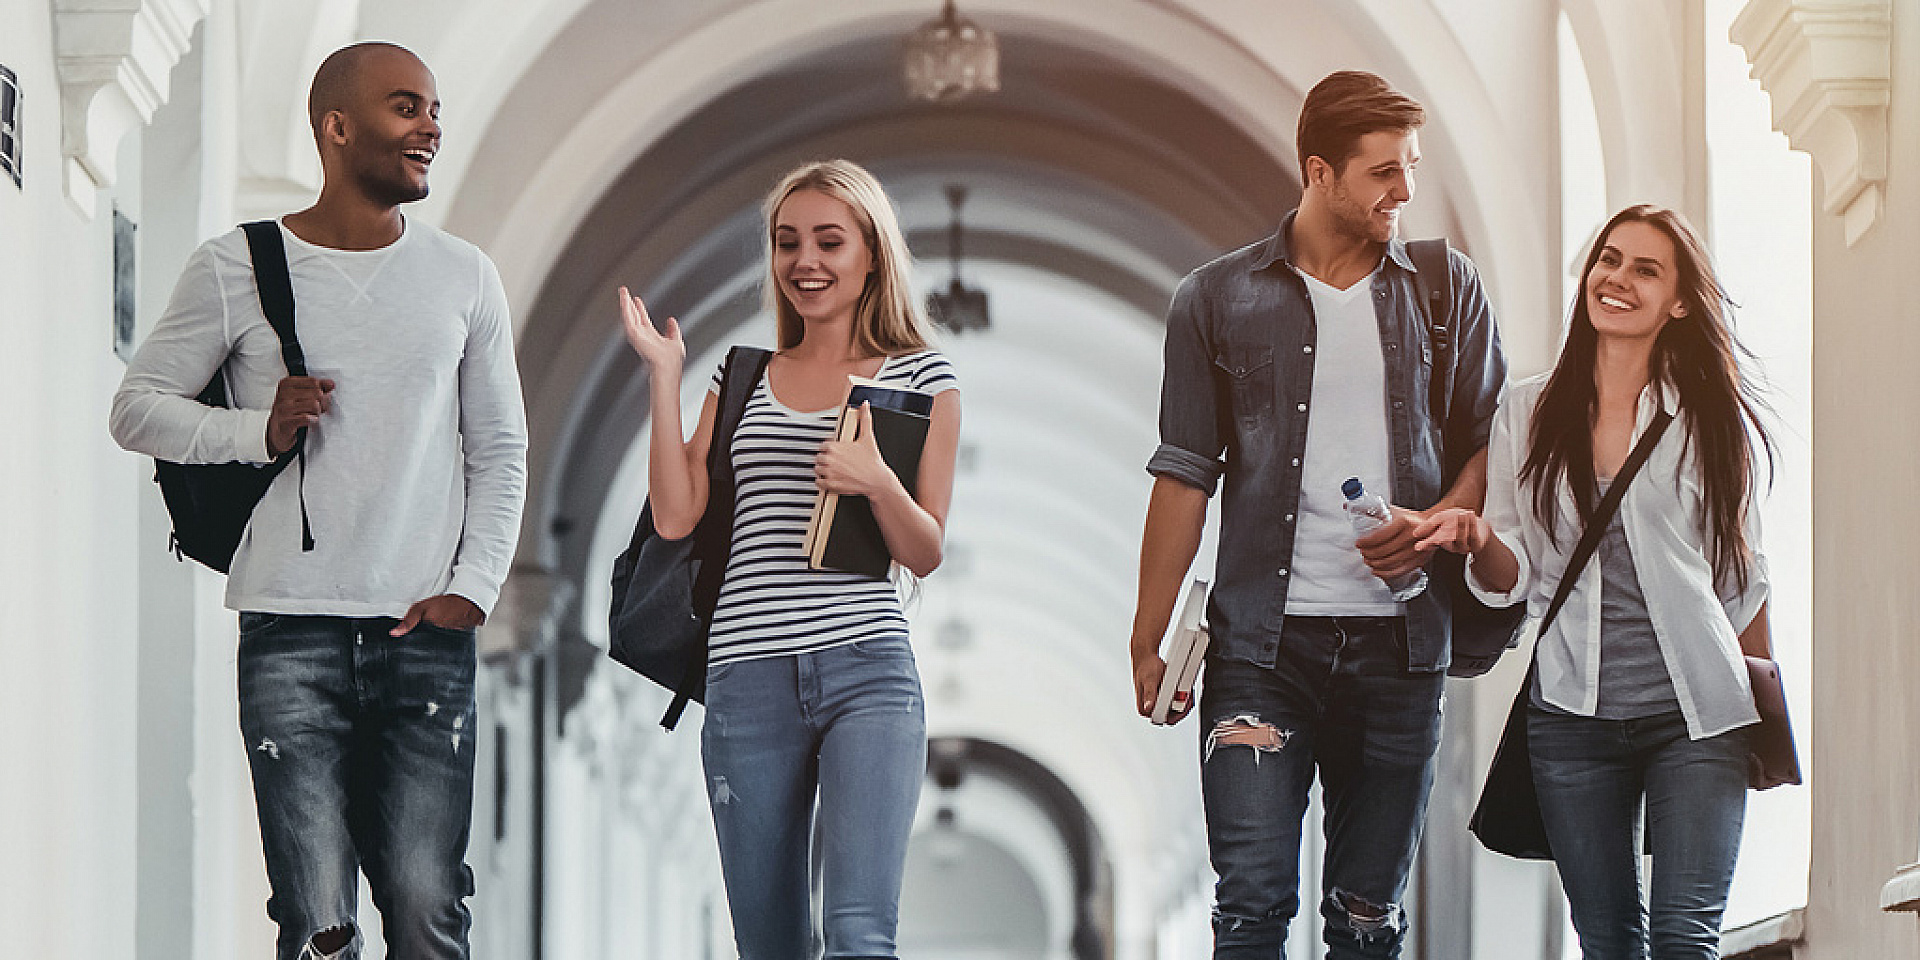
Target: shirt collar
(1657, 396)
(1278, 248)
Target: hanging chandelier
(959, 308)
(949, 58)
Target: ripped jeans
(1338, 700)
(361, 747)
(845, 725)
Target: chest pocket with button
(1249, 373)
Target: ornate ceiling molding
(113, 59)
(1828, 66)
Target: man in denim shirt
(1293, 364)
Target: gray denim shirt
(1234, 403)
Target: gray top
(1634, 681)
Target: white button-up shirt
(1696, 621)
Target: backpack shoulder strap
(713, 543)
(1433, 282)
(738, 376)
(275, 285)
(1433, 279)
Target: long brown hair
(888, 320)
(1698, 355)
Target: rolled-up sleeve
(1504, 510)
(1191, 437)
(1743, 605)
(1480, 370)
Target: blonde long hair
(888, 320)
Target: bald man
(368, 565)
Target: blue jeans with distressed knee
(845, 725)
(362, 748)
(1340, 701)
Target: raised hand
(298, 403)
(663, 351)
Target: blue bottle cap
(1352, 488)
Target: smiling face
(1366, 195)
(821, 259)
(387, 131)
(1632, 288)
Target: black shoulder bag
(1507, 817)
(664, 591)
(210, 503)
(1480, 634)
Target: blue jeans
(361, 747)
(846, 724)
(1339, 699)
(1592, 776)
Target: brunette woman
(1640, 695)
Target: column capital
(1827, 66)
(1902, 893)
(113, 58)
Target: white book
(1185, 651)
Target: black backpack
(211, 502)
(665, 591)
(1480, 633)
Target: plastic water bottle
(1368, 512)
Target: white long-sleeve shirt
(414, 478)
(1696, 621)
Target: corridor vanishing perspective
(594, 144)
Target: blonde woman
(812, 695)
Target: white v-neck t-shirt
(1346, 437)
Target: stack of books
(842, 533)
(1186, 649)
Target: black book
(843, 534)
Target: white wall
(69, 574)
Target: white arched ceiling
(590, 132)
(549, 99)
(280, 47)
(1641, 93)
(998, 841)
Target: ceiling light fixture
(949, 58)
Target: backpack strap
(1433, 280)
(274, 284)
(1433, 283)
(713, 542)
